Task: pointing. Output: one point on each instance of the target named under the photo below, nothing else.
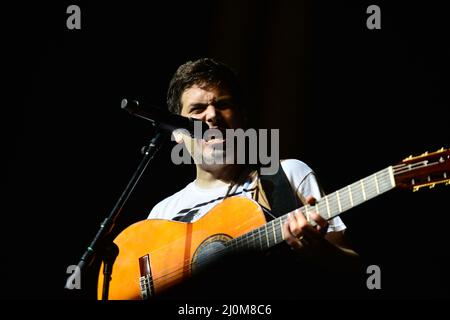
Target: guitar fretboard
(327, 207)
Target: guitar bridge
(145, 280)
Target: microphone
(164, 119)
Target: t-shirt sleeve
(304, 183)
(157, 211)
(169, 207)
(166, 209)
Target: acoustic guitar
(154, 255)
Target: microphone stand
(102, 245)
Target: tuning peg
(408, 158)
(432, 185)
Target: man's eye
(196, 110)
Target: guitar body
(174, 247)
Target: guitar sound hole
(209, 252)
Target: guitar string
(163, 247)
(308, 209)
(251, 240)
(256, 233)
(259, 233)
(171, 276)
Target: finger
(286, 229)
(295, 244)
(310, 232)
(302, 230)
(302, 222)
(297, 223)
(321, 222)
(295, 228)
(310, 200)
(290, 238)
(299, 217)
(290, 227)
(314, 236)
(322, 230)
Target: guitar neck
(327, 207)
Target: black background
(347, 100)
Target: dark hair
(203, 72)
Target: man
(208, 90)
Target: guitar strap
(278, 191)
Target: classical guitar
(157, 254)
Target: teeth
(211, 136)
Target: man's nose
(211, 115)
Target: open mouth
(215, 135)
(214, 140)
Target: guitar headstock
(425, 170)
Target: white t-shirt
(192, 202)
